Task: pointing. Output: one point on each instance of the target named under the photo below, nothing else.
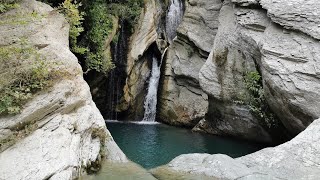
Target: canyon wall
(263, 38)
(278, 42)
(59, 133)
(241, 68)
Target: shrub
(128, 10)
(98, 27)
(74, 18)
(6, 6)
(257, 100)
(97, 17)
(24, 72)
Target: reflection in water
(155, 145)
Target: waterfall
(173, 18)
(117, 77)
(150, 103)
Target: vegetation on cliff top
(6, 6)
(91, 23)
(98, 27)
(24, 72)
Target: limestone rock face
(138, 69)
(182, 101)
(295, 14)
(246, 2)
(59, 132)
(296, 159)
(290, 67)
(222, 77)
(249, 40)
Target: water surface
(157, 144)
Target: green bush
(257, 100)
(128, 10)
(6, 6)
(24, 72)
(74, 17)
(98, 25)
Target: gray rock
(59, 132)
(246, 2)
(145, 34)
(182, 101)
(138, 70)
(200, 22)
(295, 14)
(248, 40)
(296, 159)
(291, 73)
(222, 77)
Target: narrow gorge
(152, 89)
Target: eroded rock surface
(139, 61)
(249, 40)
(222, 77)
(182, 101)
(295, 14)
(59, 132)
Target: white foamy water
(133, 122)
(150, 103)
(174, 18)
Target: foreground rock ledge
(296, 159)
(69, 134)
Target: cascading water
(150, 104)
(116, 78)
(173, 18)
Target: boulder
(291, 73)
(251, 39)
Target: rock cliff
(278, 41)
(205, 82)
(138, 68)
(263, 38)
(182, 101)
(59, 133)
